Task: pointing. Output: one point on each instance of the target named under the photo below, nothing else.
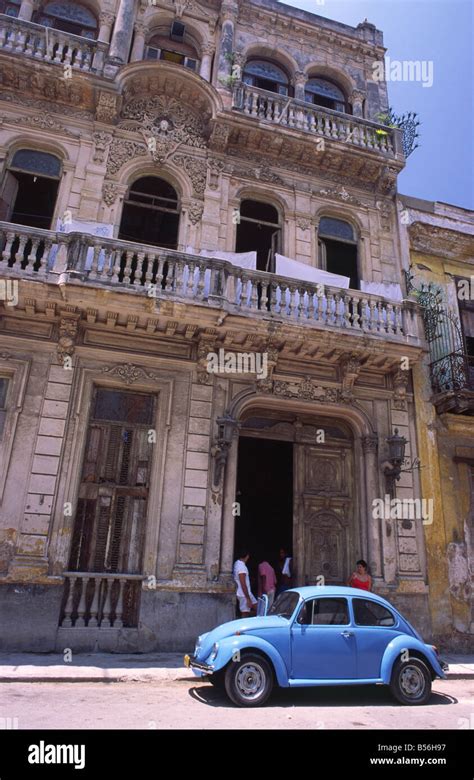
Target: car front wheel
(411, 681)
(249, 681)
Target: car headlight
(214, 651)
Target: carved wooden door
(324, 527)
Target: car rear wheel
(249, 681)
(411, 681)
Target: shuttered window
(109, 529)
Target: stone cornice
(441, 241)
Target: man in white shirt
(245, 597)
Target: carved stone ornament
(110, 192)
(106, 109)
(308, 390)
(303, 223)
(350, 369)
(370, 443)
(400, 382)
(340, 194)
(165, 118)
(121, 151)
(205, 345)
(43, 121)
(215, 169)
(196, 169)
(195, 212)
(130, 373)
(67, 338)
(101, 144)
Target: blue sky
(440, 31)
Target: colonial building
(206, 335)
(441, 240)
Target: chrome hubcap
(250, 681)
(412, 681)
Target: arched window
(338, 249)
(161, 46)
(266, 75)
(69, 17)
(151, 213)
(259, 231)
(322, 92)
(30, 187)
(10, 7)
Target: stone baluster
(169, 268)
(48, 245)
(93, 273)
(346, 315)
(118, 623)
(160, 271)
(150, 261)
(363, 314)
(81, 609)
(338, 320)
(127, 271)
(189, 292)
(389, 318)
(94, 610)
(398, 319)
(137, 279)
(355, 312)
(330, 309)
(67, 620)
(107, 609)
(372, 320)
(179, 266)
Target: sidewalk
(150, 667)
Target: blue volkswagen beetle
(325, 635)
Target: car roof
(339, 590)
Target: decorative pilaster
(138, 48)
(106, 21)
(206, 61)
(229, 14)
(369, 448)
(299, 82)
(123, 30)
(357, 100)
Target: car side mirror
(262, 606)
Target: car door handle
(347, 633)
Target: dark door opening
(151, 213)
(341, 259)
(35, 200)
(265, 495)
(259, 231)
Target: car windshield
(285, 604)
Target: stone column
(369, 447)
(206, 61)
(299, 83)
(26, 9)
(230, 10)
(122, 35)
(357, 100)
(106, 21)
(138, 48)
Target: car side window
(324, 612)
(369, 613)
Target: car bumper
(444, 666)
(199, 667)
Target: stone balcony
(31, 254)
(323, 123)
(44, 44)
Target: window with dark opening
(151, 213)
(29, 189)
(69, 17)
(266, 75)
(338, 249)
(322, 92)
(162, 47)
(10, 7)
(259, 231)
(466, 314)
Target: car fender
(230, 647)
(405, 642)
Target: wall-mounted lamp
(392, 468)
(226, 430)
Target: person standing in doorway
(360, 578)
(245, 597)
(284, 570)
(267, 581)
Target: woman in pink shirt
(266, 581)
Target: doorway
(265, 495)
(259, 231)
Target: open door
(8, 195)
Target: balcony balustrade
(48, 45)
(31, 253)
(321, 122)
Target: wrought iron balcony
(31, 253)
(44, 44)
(322, 122)
(452, 379)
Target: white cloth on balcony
(391, 290)
(241, 259)
(293, 269)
